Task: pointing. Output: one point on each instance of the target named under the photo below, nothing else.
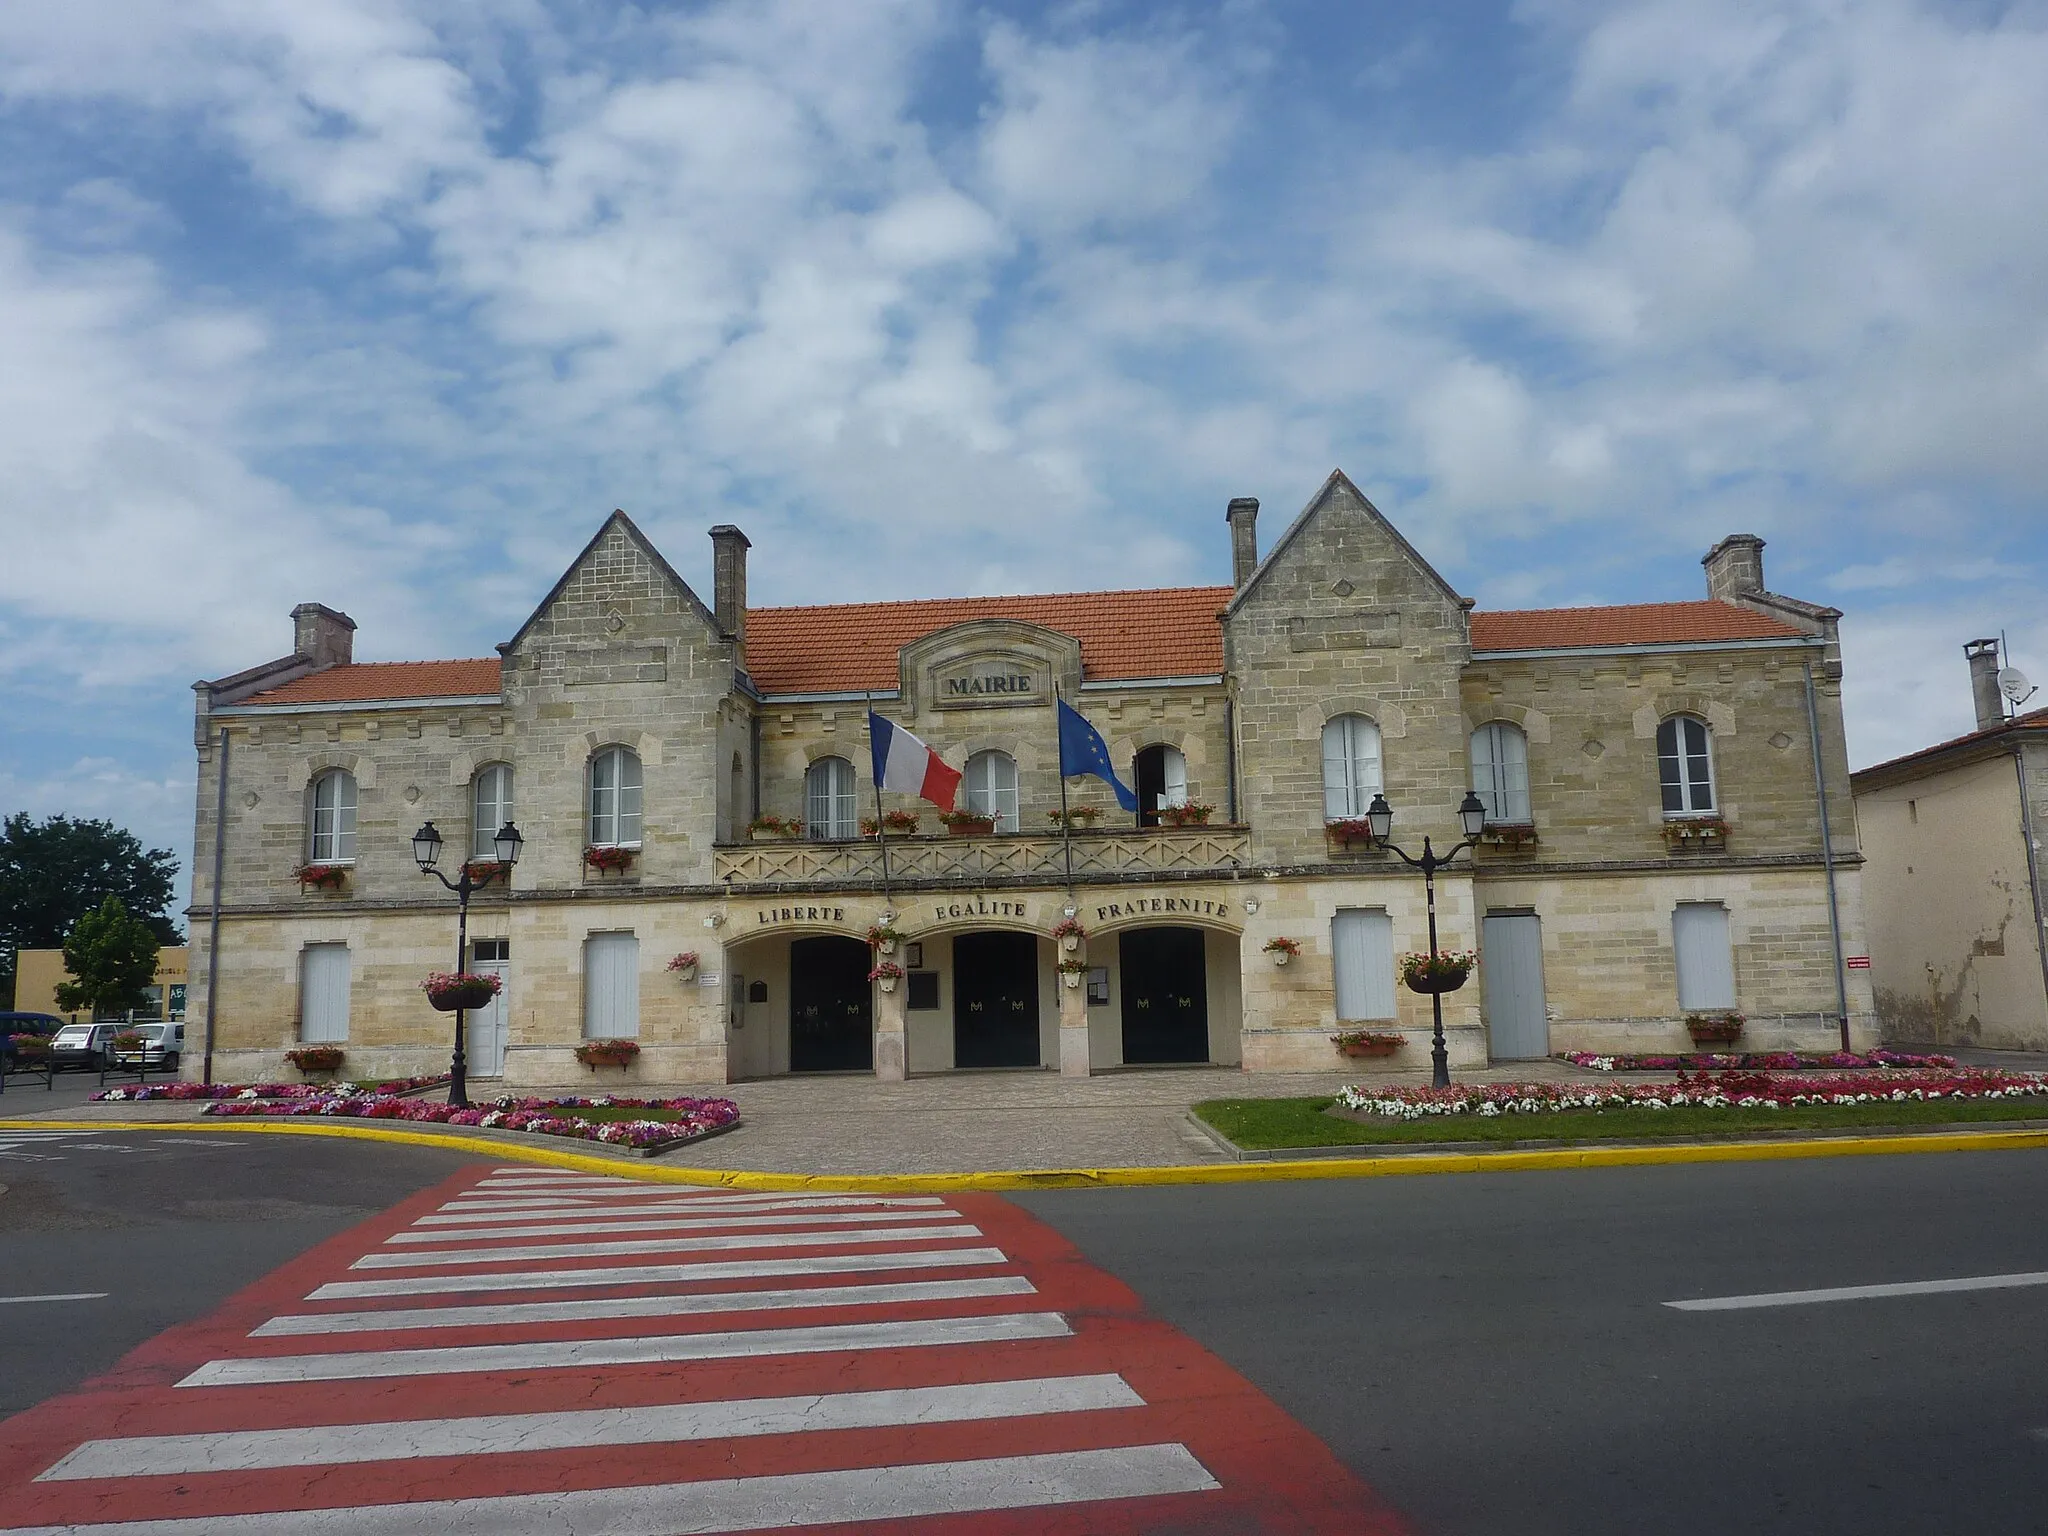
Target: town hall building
(1668, 828)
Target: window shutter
(323, 993)
(1706, 959)
(1363, 943)
(611, 986)
(1175, 765)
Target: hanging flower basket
(968, 823)
(322, 877)
(447, 991)
(1072, 971)
(1070, 933)
(888, 973)
(685, 965)
(607, 1053)
(883, 938)
(895, 823)
(1282, 949)
(315, 1058)
(1444, 971)
(608, 859)
(1350, 832)
(1193, 814)
(1368, 1042)
(1714, 1028)
(1079, 817)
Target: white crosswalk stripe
(691, 1223)
(500, 1254)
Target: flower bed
(693, 1118)
(1749, 1061)
(253, 1091)
(1730, 1090)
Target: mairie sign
(988, 683)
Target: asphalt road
(1492, 1354)
(167, 1224)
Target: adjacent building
(1952, 838)
(1664, 784)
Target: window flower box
(322, 877)
(895, 823)
(484, 871)
(608, 1053)
(1714, 1028)
(888, 973)
(30, 1047)
(1072, 972)
(1695, 832)
(968, 823)
(1509, 836)
(449, 991)
(1070, 934)
(1282, 949)
(1192, 814)
(685, 965)
(1078, 817)
(1368, 1042)
(310, 1059)
(1351, 832)
(1444, 971)
(775, 829)
(608, 858)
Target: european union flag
(1083, 751)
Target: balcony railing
(966, 860)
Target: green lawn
(1260, 1125)
(618, 1112)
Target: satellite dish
(2012, 682)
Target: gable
(619, 586)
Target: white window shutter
(611, 986)
(323, 994)
(1174, 765)
(1706, 958)
(1362, 941)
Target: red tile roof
(361, 682)
(1162, 632)
(2032, 721)
(1543, 629)
(1159, 632)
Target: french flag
(908, 766)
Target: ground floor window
(1362, 942)
(1706, 958)
(323, 994)
(611, 986)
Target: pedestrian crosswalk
(478, 1362)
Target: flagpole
(881, 827)
(1066, 817)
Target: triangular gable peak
(619, 535)
(1340, 498)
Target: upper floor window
(490, 795)
(615, 798)
(1161, 773)
(333, 839)
(1351, 766)
(829, 798)
(1500, 772)
(992, 788)
(1685, 766)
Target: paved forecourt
(526, 1350)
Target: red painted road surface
(526, 1351)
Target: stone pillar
(1073, 1023)
(891, 1056)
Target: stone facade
(1341, 617)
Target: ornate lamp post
(426, 850)
(1472, 816)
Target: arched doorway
(995, 1000)
(831, 1006)
(1165, 995)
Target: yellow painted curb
(1081, 1178)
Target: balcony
(942, 861)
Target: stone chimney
(1735, 568)
(1243, 517)
(322, 636)
(729, 581)
(1983, 658)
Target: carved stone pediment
(989, 664)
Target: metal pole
(881, 830)
(1066, 819)
(1827, 854)
(1439, 1055)
(220, 843)
(2019, 762)
(458, 1069)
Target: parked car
(82, 1047)
(12, 1024)
(162, 1044)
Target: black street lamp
(1472, 816)
(426, 849)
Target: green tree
(55, 871)
(112, 960)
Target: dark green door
(995, 1000)
(831, 1024)
(1165, 995)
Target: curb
(1103, 1178)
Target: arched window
(992, 788)
(615, 799)
(333, 823)
(490, 798)
(1500, 772)
(1351, 766)
(1161, 774)
(828, 799)
(1685, 766)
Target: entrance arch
(831, 1006)
(1165, 995)
(995, 999)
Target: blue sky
(385, 303)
